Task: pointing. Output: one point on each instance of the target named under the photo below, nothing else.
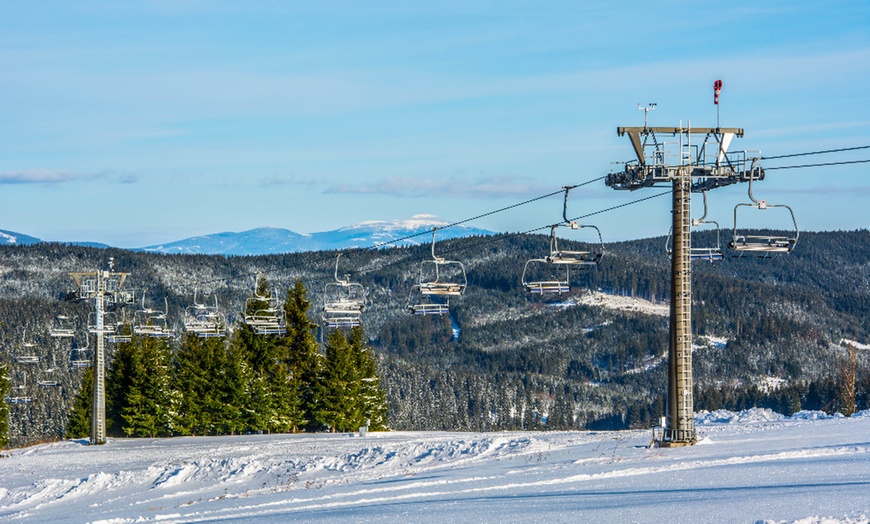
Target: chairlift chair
(27, 357)
(343, 301)
(587, 258)
(79, 357)
(539, 286)
(706, 254)
(762, 245)
(21, 397)
(204, 321)
(63, 329)
(151, 322)
(267, 317)
(432, 284)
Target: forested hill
(767, 330)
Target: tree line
(247, 383)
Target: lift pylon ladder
(686, 167)
(104, 288)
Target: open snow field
(751, 467)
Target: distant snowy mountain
(259, 241)
(11, 238)
(268, 240)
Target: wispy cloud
(50, 177)
(279, 180)
(44, 176)
(406, 186)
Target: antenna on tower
(651, 106)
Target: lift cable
(824, 164)
(840, 150)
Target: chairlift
(151, 322)
(27, 347)
(63, 329)
(576, 258)
(118, 329)
(343, 301)
(202, 320)
(263, 314)
(706, 254)
(80, 357)
(763, 245)
(50, 372)
(21, 397)
(545, 286)
(434, 285)
(561, 257)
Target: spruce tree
(199, 368)
(339, 395)
(5, 384)
(150, 409)
(302, 356)
(374, 400)
(79, 422)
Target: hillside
(518, 362)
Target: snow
(623, 303)
(754, 466)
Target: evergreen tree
(302, 356)
(339, 393)
(79, 421)
(118, 383)
(150, 403)
(199, 372)
(5, 384)
(374, 400)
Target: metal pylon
(104, 288)
(686, 168)
(680, 429)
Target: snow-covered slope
(754, 466)
(263, 241)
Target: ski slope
(754, 466)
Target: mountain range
(273, 240)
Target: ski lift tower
(104, 288)
(688, 165)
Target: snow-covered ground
(623, 303)
(755, 466)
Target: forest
(767, 332)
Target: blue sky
(136, 123)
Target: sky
(139, 123)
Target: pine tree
(119, 378)
(79, 421)
(302, 356)
(5, 384)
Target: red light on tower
(717, 88)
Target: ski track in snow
(756, 466)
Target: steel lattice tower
(104, 288)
